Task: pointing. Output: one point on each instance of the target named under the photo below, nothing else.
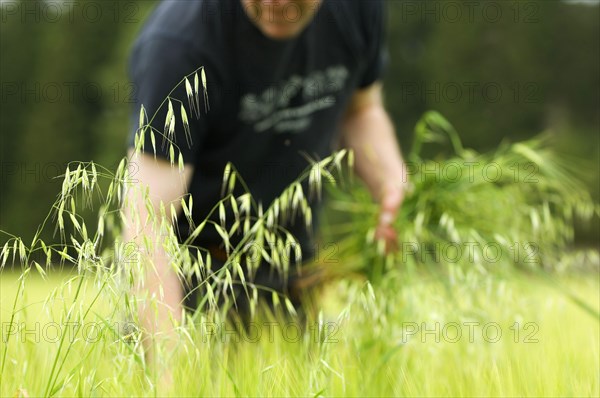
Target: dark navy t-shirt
(269, 101)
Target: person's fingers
(386, 218)
(391, 200)
(390, 203)
(389, 236)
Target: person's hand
(390, 202)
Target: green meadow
(515, 335)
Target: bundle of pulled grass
(513, 207)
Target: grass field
(521, 320)
(415, 335)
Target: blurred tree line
(495, 69)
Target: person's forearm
(157, 272)
(158, 282)
(370, 133)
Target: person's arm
(368, 130)
(165, 183)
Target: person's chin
(279, 32)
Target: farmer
(284, 79)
